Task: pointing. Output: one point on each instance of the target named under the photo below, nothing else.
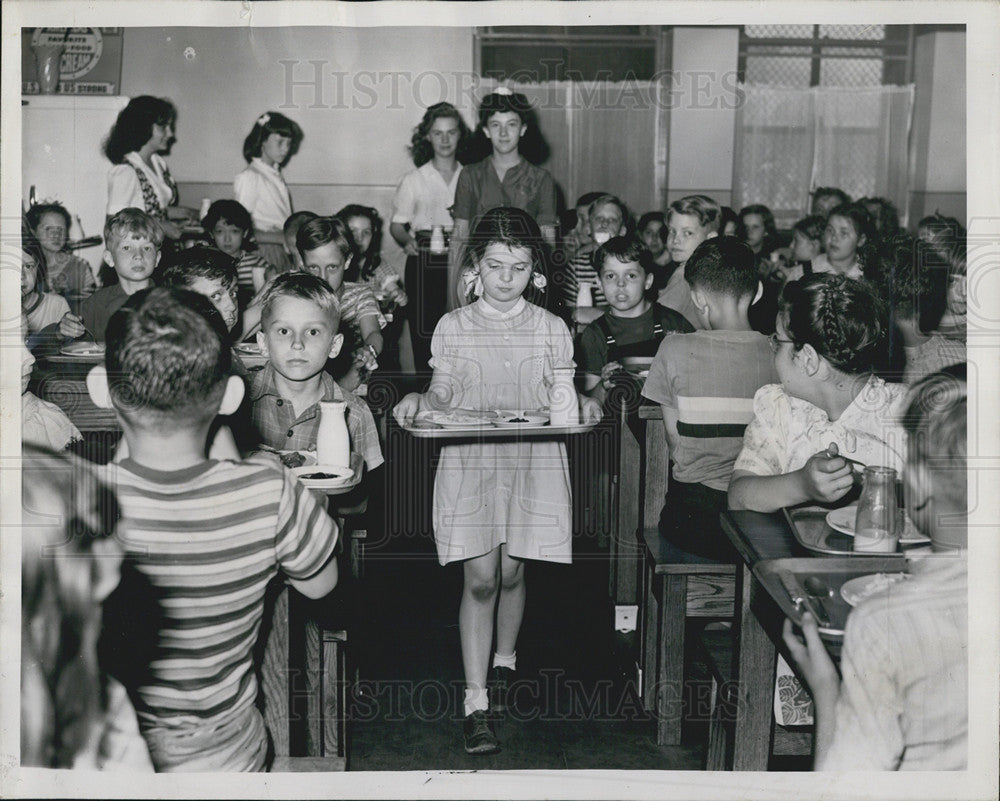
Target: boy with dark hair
(690, 221)
(203, 538)
(208, 272)
(903, 700)
(633, 325)
(706, 410)
(300, 316)
(132, 242)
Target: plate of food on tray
(320, 476)
(859, 589)
(461, 418)
(506, 419)
(87, 348)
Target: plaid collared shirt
(278, 427)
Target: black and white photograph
(500, 400)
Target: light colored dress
(518, 492)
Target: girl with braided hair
(831, 335)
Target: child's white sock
(476, 700)
(505, 660)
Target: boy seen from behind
(202, 538)
(705, 383)
(633, 325)
(132, 242)
(902, 699)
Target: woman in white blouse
(143, 131)
(422, 204)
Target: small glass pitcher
(876, 527)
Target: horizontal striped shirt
(709, 378)
(201, 546)
(245, 267)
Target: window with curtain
(822, 105)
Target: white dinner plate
(519, 420)
(842, 520)
(83, 349)
(248, 349)
(334, 476)
(461, 419)
(861, 588)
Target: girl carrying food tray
(497, 504)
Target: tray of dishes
(829, 588)
(831, 531)
(499, 424)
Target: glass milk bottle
(333, 443)
(564, 408)
(876, 528)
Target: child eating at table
(705, 411)
(203, 538)
(831, 334)
(40, 309)
(498, 504)
(132, 242)
(65, 274)
(73, 714)
(690, 221)
(633, 325)
(902, 699)
(299, 320)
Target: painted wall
(702, 113)
(939, 140)
(357, 94)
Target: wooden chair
(303, 686)
(677, 586)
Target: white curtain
(602, 136)
(790, 141)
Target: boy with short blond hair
(202, 538)
(132, 242)
(300, 315)
(690, 221)
(903, 701)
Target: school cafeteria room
(416, 396)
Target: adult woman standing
(422, 204)
(142, 132)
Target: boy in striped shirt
(705, 383)
(202, 538)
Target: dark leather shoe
(479, 736)
(500, 680)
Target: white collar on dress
(155, 162)
(490, 311)
(263, 166)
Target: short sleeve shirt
(713, 406)
(786, 431)
(424, 200)
(593, 350)
(277, 426)
(357, 300)
(261, 189)
(524, 186)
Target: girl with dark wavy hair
(831, 336)
(421, 207)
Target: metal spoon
(817, 590)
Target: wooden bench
(304, 692)
(677, 586)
